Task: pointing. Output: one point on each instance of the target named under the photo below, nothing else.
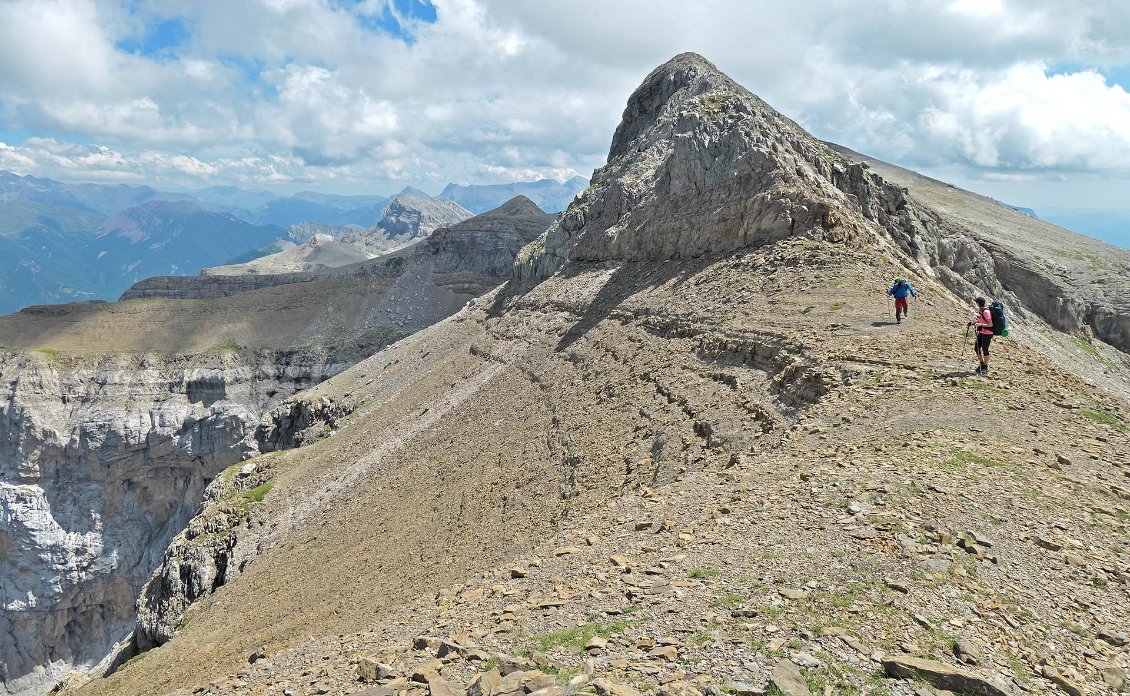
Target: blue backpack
(1000, 323)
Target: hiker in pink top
(984, 324)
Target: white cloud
(273, 91)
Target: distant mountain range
(1111, 226)
(550, 195)
(64, 242)
(72, 242)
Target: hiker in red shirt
(899, 291)
(984, 324)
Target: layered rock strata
(102, 461)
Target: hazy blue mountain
(169, 238)
(309, 206)
(550, 195)
(233, 198)
(1111, 226)
(41, 256)
(62, 242)
(272, 248)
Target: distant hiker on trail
(899, 291)
(984, 324)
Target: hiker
(984, 324)
(899, 291)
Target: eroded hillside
(116, 417)
(684, 450)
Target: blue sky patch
(252, 71)
(1119, 76)
(160, 38)
(395, 17)
(1114, 75)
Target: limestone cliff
(102, 461)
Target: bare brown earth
(785, 473)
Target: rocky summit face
(700, 165)
(683, 450)
(408, 218)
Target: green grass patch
(807, 309)
(135, 659)
(960, 460)
(980, 385)
(1084, 345)
(579, 635)
(705, 573)
(730, 600)
(52, 353)
(1075, 628)
(256, 494)
(226, 346)
(562, 674)
(1019, 670)
(1104, 418)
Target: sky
(1024, 100)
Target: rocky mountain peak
(698, 165)
(680, 79)
(519, 205)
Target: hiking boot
(898, 320)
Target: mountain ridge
(683, 450)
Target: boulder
(941, 675)
(788, 679)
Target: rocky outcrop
(484, 248)
(102, 462)
(406, 218)
(470, 256)
(979, 246)
(699, 165)
(201, 558)
(297, 422)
